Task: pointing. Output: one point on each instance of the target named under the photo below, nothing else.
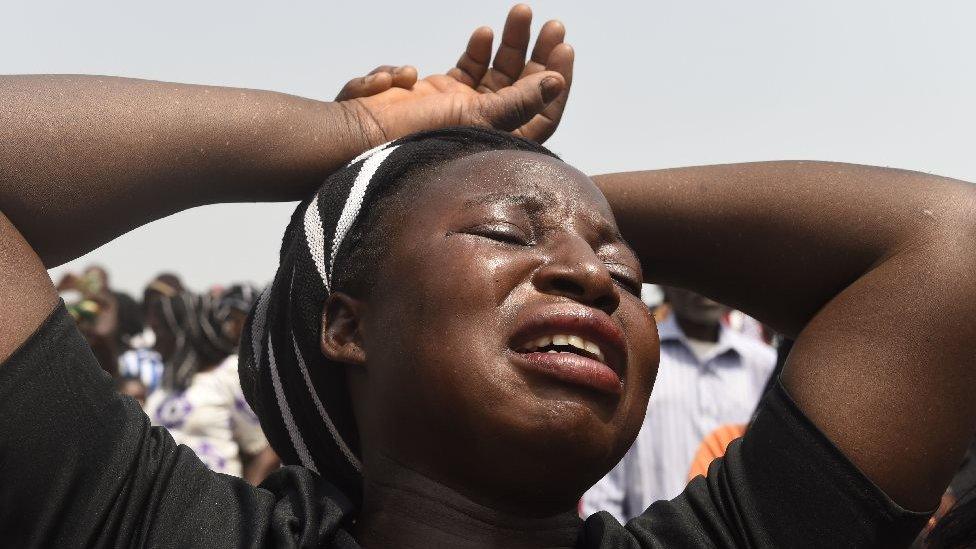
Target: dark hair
(334, 241)
(197, 323)
(130, 318)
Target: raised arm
(872, 269)
(85, 159)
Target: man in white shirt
(710, 376)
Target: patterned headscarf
(299, 395)
(197, 323)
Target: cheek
(443, 326)
(444, 373)
(644, 355)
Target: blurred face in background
(95, 279)
(234, 326)
(689, 307)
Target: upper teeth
(572, 340)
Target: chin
(569, 441)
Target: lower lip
(574, 369)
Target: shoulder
(56, 339)
(227, 368)
(222, 380)
(222, 374)
(226, 373)
(782, 457)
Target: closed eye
(629, 282)
(629, 285)
(507, 233)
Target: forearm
(85, 159)
(778, 239)
(872, 269)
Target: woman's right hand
(525, 98)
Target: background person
(145, 361)
(709, 380)
(107, 318)
(199, 400)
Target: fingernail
(369, 78)
(551, 87)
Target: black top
(80, 466)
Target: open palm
(510, 94)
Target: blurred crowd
(175, 353)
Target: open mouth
(565, 343)
(571, 344)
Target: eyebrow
(530, 201)
(534, 204)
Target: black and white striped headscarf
(239, 298)
(298, 394)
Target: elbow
(962, 219)
(947, 213)
(950, 232)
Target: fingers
(382, 68)
(515, 105)
(365, 86)
(544, 124)
(473, 65)
(561, 60)
(552, 34)
(379, 80)
(405, 77)
(510, 58)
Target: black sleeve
(81, 466)
(784, 484)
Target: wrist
(296, 146)
(287, 150)
(334, 134)
(364, 132)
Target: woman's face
(507, 352)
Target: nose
(573, 270)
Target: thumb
(512, 106)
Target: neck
(699, 331)
(405, 509)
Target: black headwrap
(299, 395)
(198, 324)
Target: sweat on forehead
(538, 183)
(522, 169)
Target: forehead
(494, 176)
